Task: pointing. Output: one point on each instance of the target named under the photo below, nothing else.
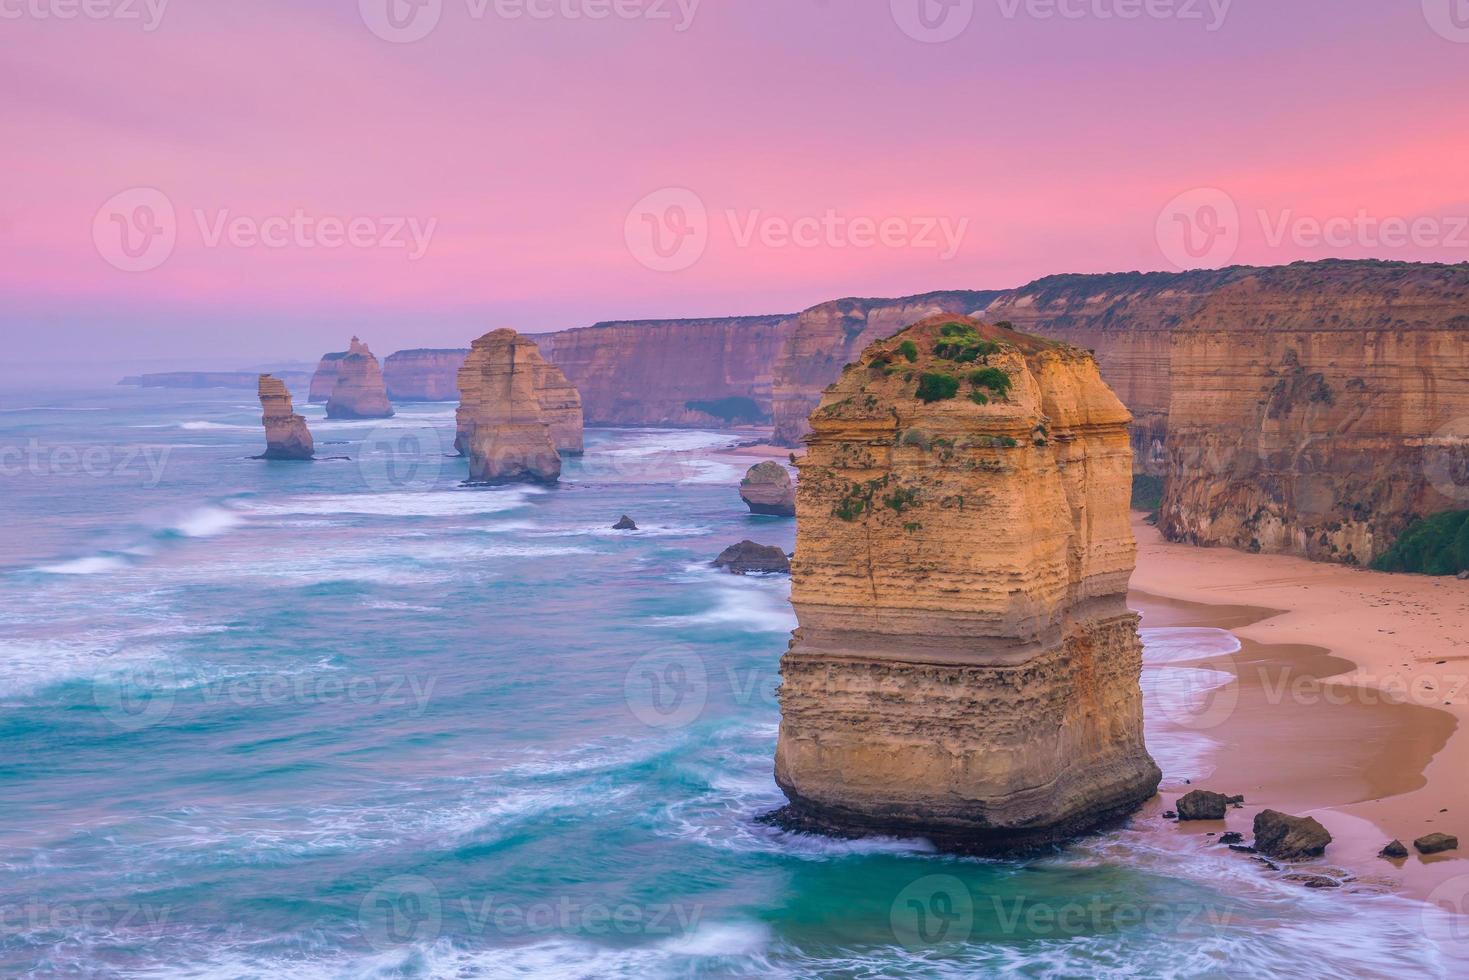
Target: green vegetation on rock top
(1437, 545)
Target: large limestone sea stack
(516, 412)
(286, 435)
(359, 391)
(966, 668)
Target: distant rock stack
(359, 392)
(559, 401)
(324, 379)
(286, 435)
(502, 426)
(767, 489)
(966, 668)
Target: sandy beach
(1350, 693)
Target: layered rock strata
(324, 379)
(359, 391)
(966, 668)
(286, 434)
(504, 429)
(671, 372)
(558, 400)
(767, 489)
(423, 375)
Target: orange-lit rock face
(559, 401)
(505, 429)
(767, 489)
(286, 435)
(966, 667)
(423, 375)
(359, 391)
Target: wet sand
(1350, 689)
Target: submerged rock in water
(359, 391)
(767, 489)
(626, 524)
(503, 428)
(1394, 850)
(747, 557)
(966, 667)
(286, 434)
(1284, 836)
(1202, 805)
(1436, 843)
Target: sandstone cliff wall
(324, 379)
(423, 375)
(648, 372)
(966, 667)
(820, 340)
(1318, 409)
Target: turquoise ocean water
(349, 719)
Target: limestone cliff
(503, 427)
(423, 375)
(325, 377)
(1317, 409)
(671, 372)
(966, 667)
(286, 434)
(767, 489)
(822, 339)
(359, 391)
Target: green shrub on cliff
(937, 387)
(909, 350)
(1437, 545)
(735, 410)
(1147, 494)
(963, 344)
(994, 379)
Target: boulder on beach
(626, 524)
(1436, 843)
(1394, 850)
(767, 489)
(747, 558)
(1284, 836)
(1202, 805)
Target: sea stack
(286, 435)
(503, 428)
(558, 400)
(767, 489)
(966, 668)
(359, 391)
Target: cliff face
(822, 339)
(1318, 409)
(359, 392)
(209, 379)
(503, 428)
(423, 375)
(325, 377)
(286, 435)
(649, 372)
(966, 667)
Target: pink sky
(1054, 143)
